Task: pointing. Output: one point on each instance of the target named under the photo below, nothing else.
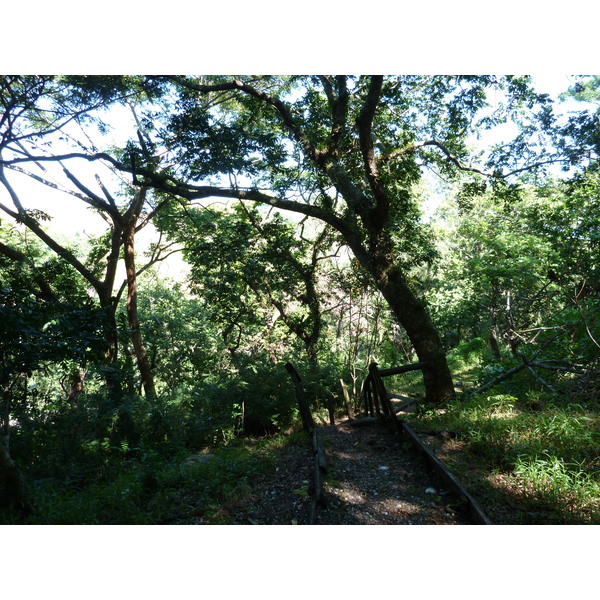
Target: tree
(44, 320)
(35, 110)
(346, 151)
(242, 262)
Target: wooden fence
(374, 393)
(377, 403)
(308, 424)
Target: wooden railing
(374, 393)
(377, 402)
(319, 458)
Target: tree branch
(63, 252)
(283, 110)
(365, 131)
(338, 105)
(93, 199)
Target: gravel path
(375, 479)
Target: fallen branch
(500, 378)
(541, 380)
(569, 368)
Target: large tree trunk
(412, 314)
(13, 492)
(110, 351)
(409, 310)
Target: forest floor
(372, 479)
(375, 477)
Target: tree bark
(368, 198)
(13, 491)
(132, 308)
(308, 423)
(412, 314)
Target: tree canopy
(299, 207)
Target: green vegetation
(258, 221)
(154, 489)
(533, 456)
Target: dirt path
(372, 479)
(375, 479)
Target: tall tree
(36, 116)
(242, 261)
(344, 150)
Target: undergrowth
(155, 489)
(548, 458)
(535, 452)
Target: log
(453, 483)
(568, 368)
(500, 378)
(542, 380)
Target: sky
(71, 215)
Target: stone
(198, 459)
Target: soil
(372, 478)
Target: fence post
(346, 399)
(379, 388)
(368, 396)
(308, 423)
(385, 401)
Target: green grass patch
(548, 459)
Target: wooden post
(331, 411)
(346, 399)
(319, 469)
(379, 388)
(368, 396)
(308, 423)
(376, 398)
(384, 398)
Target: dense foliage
(291, 214)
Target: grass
(529, 457)
(537, 465)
